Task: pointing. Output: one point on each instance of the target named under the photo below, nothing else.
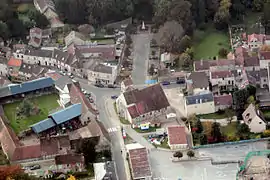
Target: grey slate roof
(62, 82)
(196, 99)
(67, 114)
(199, 79)
(31, 69)
(39, 52)
(102, 68)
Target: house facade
(199, 104)
(255, 41)
(69, 162)
(143, 106)
(254, 119)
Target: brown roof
(177, 135)
(149, 99)
(199, 79)
(139, 162)
(98, 129)
(222, 62)
(26, 152)
(77, 96)
(54, 145)
(223, 100)
(105, 51)
(69, 159)
(221, 74)
(264, 55)
(251, 61)
(14, 62)
(240, 54)
(201, 65)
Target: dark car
(99, 85)
(34, 167)
(181, 81)
(114, 97)
(91, 100)
(111, 86)
(165, 83)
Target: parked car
(99, 85)
(111, 86)
(165, 83)
(32, 167)
(180, 81)
(114, 97)
(91, 100)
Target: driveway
(141, 52)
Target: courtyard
(45, 104)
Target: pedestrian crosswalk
(113, 129)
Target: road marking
(113, 129)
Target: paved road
(105, 116)
(140, 57)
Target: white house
(61, 86)
(197, 82)
(76, 38)
(254, 119)
(224, 80)
(264, 57)
(199, 104)
(177, 137)
(255, 41)
(143, 106)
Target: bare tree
(169, 36)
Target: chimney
(196, 101)
(201, 62)
(200, 101)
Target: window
(264, 80)
(260, 122)
(247, 115)
(249, 121)
(222, 78)
(229, 82)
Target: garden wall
(230, 143)
(223, 122)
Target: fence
(230, 143)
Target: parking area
(44, 166)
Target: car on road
(165, 83)
(114, 97)
(99, 85)
(180, 81)
(32, 167)
(111, 86)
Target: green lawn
(212, 116)
(266, 114)
(45, 103)
(164, 144)
(208, 43)
(230, 129)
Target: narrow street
(141, 51)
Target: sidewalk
(109, 108)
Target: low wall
(223, 122)
(230, 143)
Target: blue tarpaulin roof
(43, 125)
(31, 85)
(151, 81)
(67, 114)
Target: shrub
(80, 174)
(223, 52)
(266, 133)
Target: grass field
(45, 103)
(213, 116)
(208, 43)
(230, 129)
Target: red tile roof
(54, 75)
(54, 145)
(139, 162)
(240, 54)
(223, 100)
(133, 111)
(15, 62)
(26, 152)
(177, 135)
(221, 74)
(259, 37)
